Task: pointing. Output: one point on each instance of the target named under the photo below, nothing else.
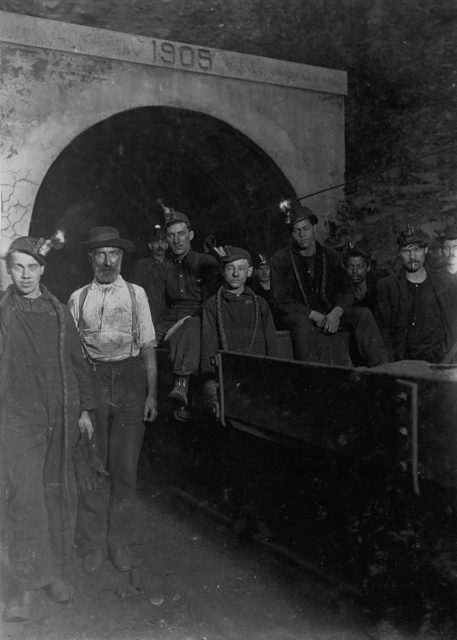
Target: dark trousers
(33, 563)
(359, 321)
(184, 343)
(106, 518)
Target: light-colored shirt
(107, 320)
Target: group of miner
(78, 382)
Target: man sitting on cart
(313, 295)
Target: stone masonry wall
(401, 116)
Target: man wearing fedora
(117, 334)
(188, 278)
(45, 394)
(413, 305)
(313, 295)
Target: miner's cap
(300, 213)
(26, 244)
(261, 259)
(107, 237)
(157, 233)
(234, 253)
(174, 217)
(411, 235)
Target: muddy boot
(59, 590)
(180, 390)
(20, 608)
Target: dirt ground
(195, 581)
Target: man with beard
(118, 338)
(45, 394)
(313, 295)
(413, 307)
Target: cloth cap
(261, 259)
(172, 217)
(107, 237)
(411, 235)
(26, 244)
(230, 254)
(450, 233)
(300, 213)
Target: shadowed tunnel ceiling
(113, 173)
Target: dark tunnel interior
(114, 172)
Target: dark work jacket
(57, 352)
(146, 274)
(188, 282)
(330, 286)
(392, 310)
(369, 299)
(451, 283)
(238, 318)
(255, 285)
(44, 384)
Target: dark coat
(189, 281)
(392, 312)
(238, 324)
(146, 274)
(330, 286)
(369, 299)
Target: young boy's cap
(26, 244)
(230, 254)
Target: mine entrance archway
(114, 172)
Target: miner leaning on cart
(45, 393)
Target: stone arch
(60, 80)
(114, 172)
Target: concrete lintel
(113, 45)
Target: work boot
(121, 559)
(59, 590)
(180, 390)
(20, 608)
(93, 561)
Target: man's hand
(150, 408)
(318, 318)
(85, 424)
(332, 320)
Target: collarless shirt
(107, 320)
(425, 337)
(188, 278)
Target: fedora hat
(107, 237)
